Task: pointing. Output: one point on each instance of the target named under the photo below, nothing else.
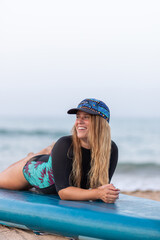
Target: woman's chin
(81, 136)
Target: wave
(142, 176)
(37, 132)
(139, 167)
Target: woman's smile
(82, 128)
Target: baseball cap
(92, 106)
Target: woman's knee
(30, 154)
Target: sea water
(138, 141)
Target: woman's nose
(80, 119)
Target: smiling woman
(77, 167)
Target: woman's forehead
(79, 112)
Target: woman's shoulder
(62, 143)
(65, 140)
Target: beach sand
(154, 195)
(8, 233)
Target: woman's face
(82, 124)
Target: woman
(77, 167)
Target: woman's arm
(107, 193)
(75, 193)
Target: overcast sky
(53, 54)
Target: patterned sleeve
(61, 163)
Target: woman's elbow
(62, 194)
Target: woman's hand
(108, 193)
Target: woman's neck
(85, 144)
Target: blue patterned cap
(92, 106)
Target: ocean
(138, 141)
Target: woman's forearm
(75, 193)
(107, 193)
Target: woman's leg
(13, 178)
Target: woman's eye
(85, 117)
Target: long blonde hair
(100, 142)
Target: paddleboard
(129, 218)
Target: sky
(53, 54)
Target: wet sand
(18, 234)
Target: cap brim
(75, 110)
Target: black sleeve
(113, 159)
(61, 164)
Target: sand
(154, 195)
(18, 234)
(7, 233)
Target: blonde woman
(78, 167)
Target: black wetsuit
(60, 161)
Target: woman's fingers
(111, 196)
(104, 186)
(108, 193)
(109, 186)
(108, 200)
(111, 193)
